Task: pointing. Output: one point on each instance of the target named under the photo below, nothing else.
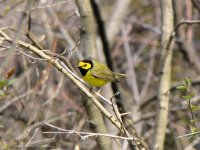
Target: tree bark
(165, 77)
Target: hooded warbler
(97, 74)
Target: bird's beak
(77, 66)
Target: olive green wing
(101, 71)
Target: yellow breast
(90, 79)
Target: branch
(85, 135)
(15, 99)
(188, 135)
(195, 3)
(173, 33)
(165, 76)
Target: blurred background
(33, 91)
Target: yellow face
(85, 65)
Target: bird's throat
(83, 71)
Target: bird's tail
(119, 75)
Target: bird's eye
(85, 65)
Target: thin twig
(189, 134)
(133, 81)
(75, 46)
(195, 3)
(15, 99)
(48, 6)
(188, 22)
(149, 73)
(118, 116)
(36, 130)
(29, 129)
(56, 91)
(84, 135)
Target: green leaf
(193, 127)
(189, 96)
(3, 83)
(187, 82)
(186, 97)
(192, 121)
(2, 93)
(194, 107)
(6, 83)
(11, 82)
(181, 88)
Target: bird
(97, 74)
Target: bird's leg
(90, 88)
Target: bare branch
(15, 99)
(85, 135)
